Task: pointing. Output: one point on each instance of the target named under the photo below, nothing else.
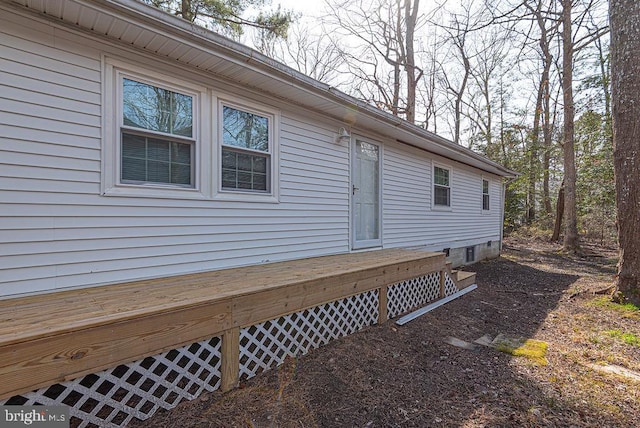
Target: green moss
(628, 338)
(628, 310)
(534, 350)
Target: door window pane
(367, 192)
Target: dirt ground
(411, 376)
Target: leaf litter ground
(419, 375)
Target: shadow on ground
(390, 376)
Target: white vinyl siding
(58, 230)
(410, 220)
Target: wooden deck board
(465, 279)
(35, 316)
(59, 336)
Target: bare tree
(383, 56)
(570, 242)
(410, 22)
(547, 25)
(426, 94)
(457, 33)
(625, 73)
(315, 54)
(488, 60)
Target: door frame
(369, 243)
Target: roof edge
(155, 18)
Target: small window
(441, 187)
(247, 148)
(156, 135)
(485, 195)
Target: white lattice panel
(265, 345)
(114, 397)
(416, 292)
(449, 286)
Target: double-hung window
(171, 138)
(485, 195)
(154, 142)
(441, 187)
(157, 137)
(247, 150)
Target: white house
(135, 145)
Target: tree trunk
(546, 129)
(411, 16)
(625, 81)
(570, 242)
(546, 193)
(534, 142)
(186, 10)
(559, 214)
(460, 95)
(395, 101)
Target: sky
(307, 7)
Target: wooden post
(230, 367)
(382, 305)
(442, 282)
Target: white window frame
(435, 206)
(273, 116)
(488, 194)
(114, 73)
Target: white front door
(365, 195)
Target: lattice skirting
(416, 292)
(112, 398)
(267, 344)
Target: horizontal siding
(57, 231)
(64, 241)
(73, 263)
(410, 220)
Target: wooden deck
(60, 336)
